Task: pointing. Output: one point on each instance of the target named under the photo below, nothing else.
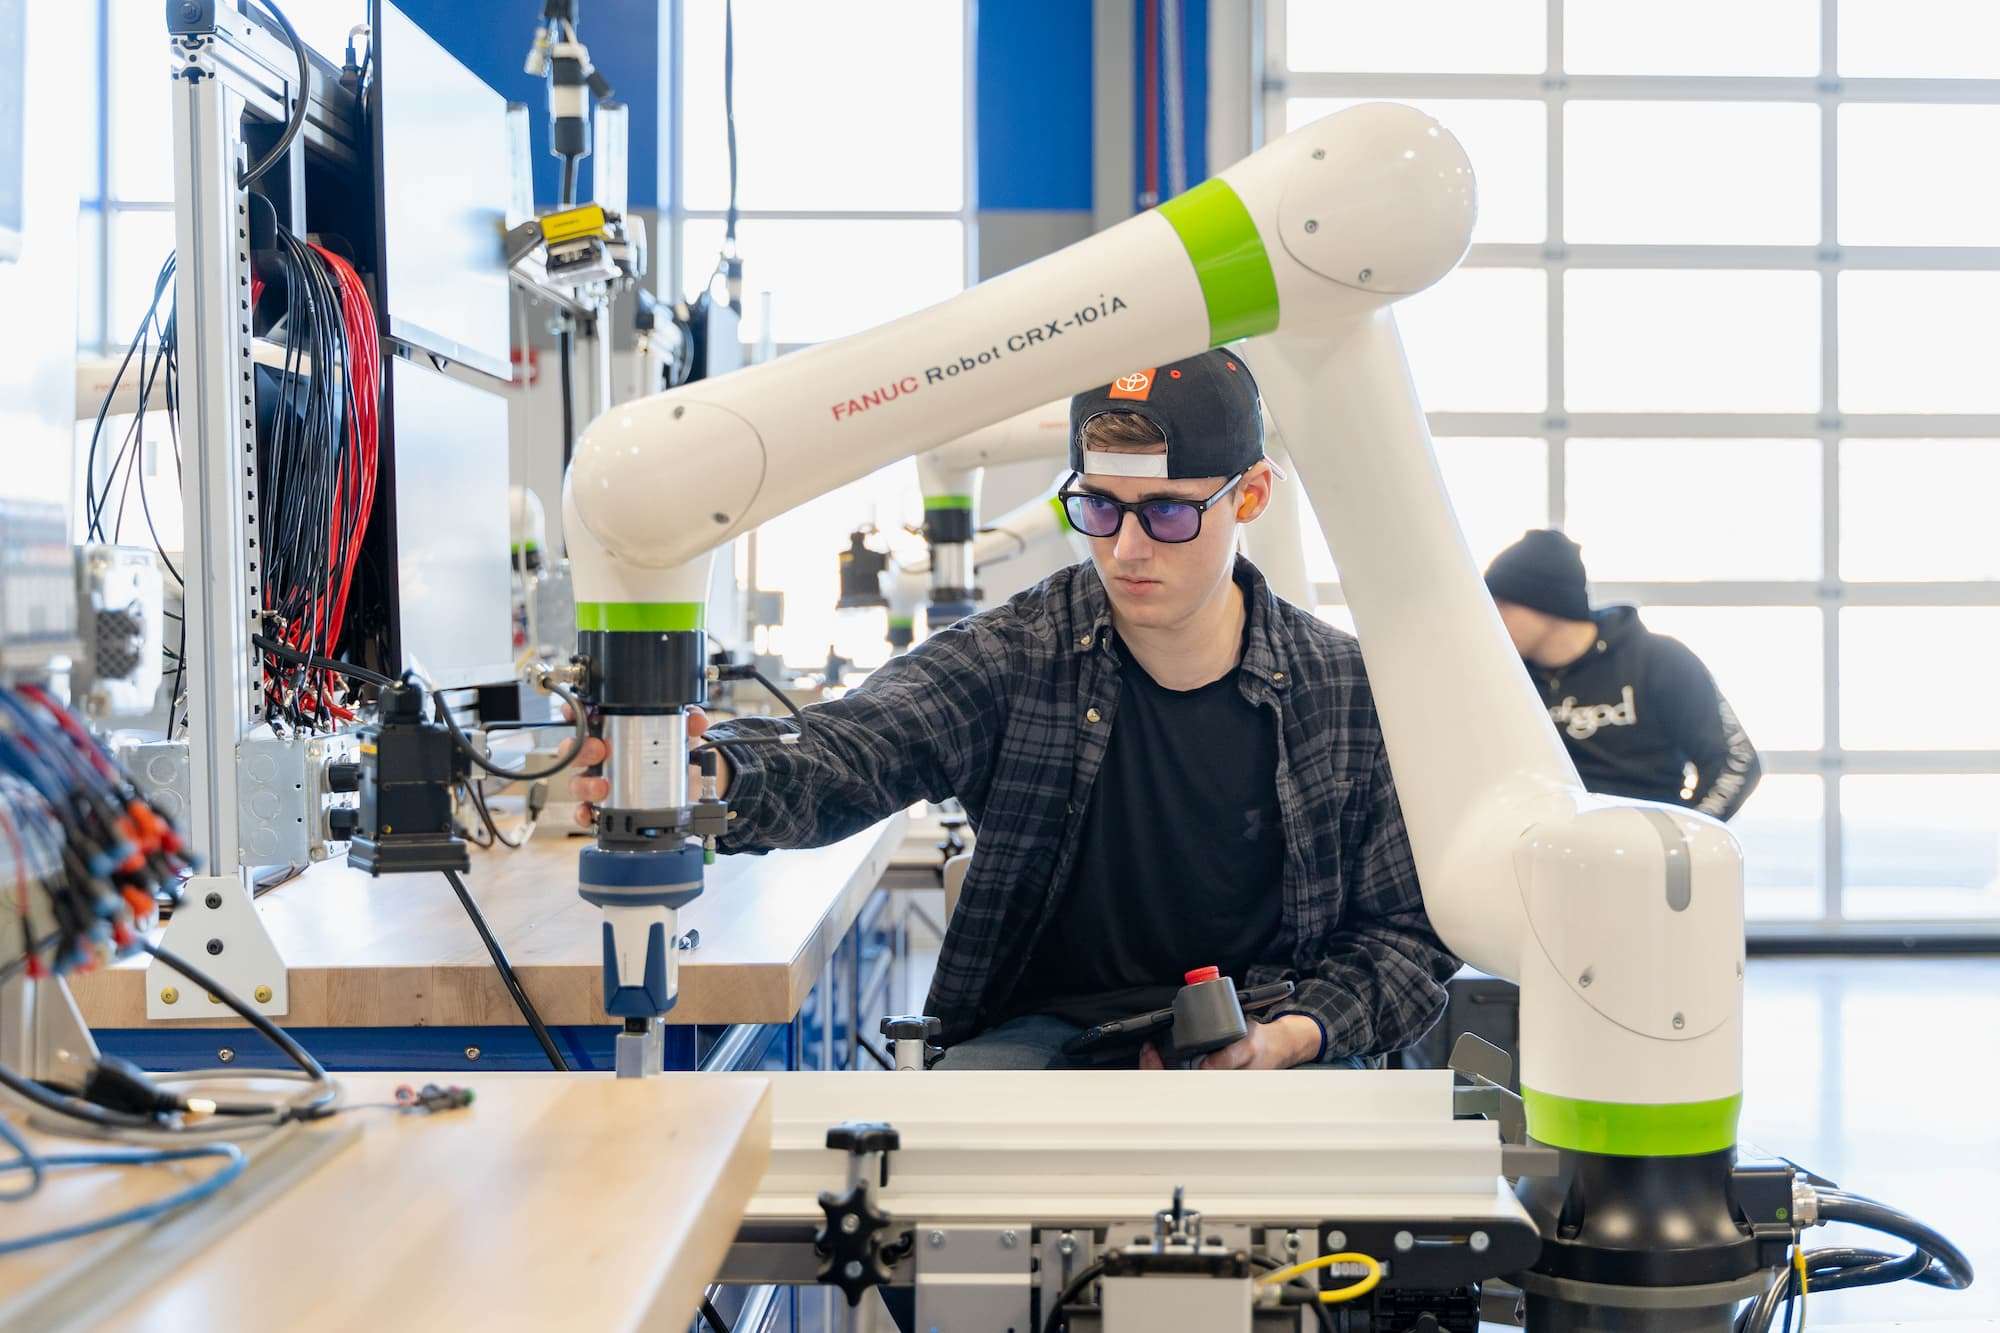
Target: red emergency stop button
(1202, 974)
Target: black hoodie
(1642, 718)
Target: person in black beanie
(1641, 715)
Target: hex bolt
(1008, 1240)
(168, 995)
(850, 1224)
(1405, 1242)
(1479, 1241)
(213, 902)
(1311, 226)
(225, 1055)
(1680, 1021)
(937, 1240)
(263, 994)
(472, 1052)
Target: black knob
(343, 775)
(864, 1136)
(911, 1027)
(341, 823)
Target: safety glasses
(1168, 521)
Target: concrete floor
(1879, 1074)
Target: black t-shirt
(1181, 859)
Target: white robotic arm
(1622, 922)
(950, 477)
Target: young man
(1639, 712)
(1168, 767)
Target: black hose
(314, 660)
(1843, 1268)
(566, 373)
(555, 766)
(506, 970)
(712, 1316)
(1763, 1311)
(1953, 1271)
(1072, 1290)
(297, 120)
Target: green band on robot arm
(644, 617)
(947, 502)
(1627, 1129)
(1229, 260)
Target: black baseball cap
(1207, 406)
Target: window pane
(1767, 662)
(1618, 37)
(1508, 145)
(885, 269)
(1782, 829)
(1478, 341)
(140, 243)
(1673, 510)
(1921, 846)
(1955, 39)
(837, 106)
(1691, 173)
(89, 290)
(1422, 36)
(1499, 489)
(1657, 341)
(143, 507)
(142, 122)
(1919, 342)
(1919, 677)
(1919, 509)
(1903, 177)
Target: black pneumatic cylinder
(948, 525)
(645, 671)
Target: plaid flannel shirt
(1010, 711)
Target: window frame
(1829, 91)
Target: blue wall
(491, 37)
(1033, 97)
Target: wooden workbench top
(399, 952)
(554, 1201)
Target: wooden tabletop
(554, 1201)
(399, 952)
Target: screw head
(472, 1052)
(1405, 1242)
(1291, 1242)
(1311, 226)
(1008, 1240)
(215, 946)
(1680, 1021)
(225, 1055)
(168, 995)
(213, 902)
(679, 412)
(853, 1268)
(937, 1240)
(263, 994)
(850, 1224)
(1336, 1240)
(1319, 154)
(1364, 275)
(1587, 977)
(1066, 1246)
(1479, 1241)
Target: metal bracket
(218, 928)
(1489, 1069)
(974, 1277)
(42, 1036)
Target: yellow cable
(1799, 1262)
(1340, 1294)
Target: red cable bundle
(354, 491)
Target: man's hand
(1287, 1040)
(587, 790)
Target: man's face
(1527, 627)
(1160, 585)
